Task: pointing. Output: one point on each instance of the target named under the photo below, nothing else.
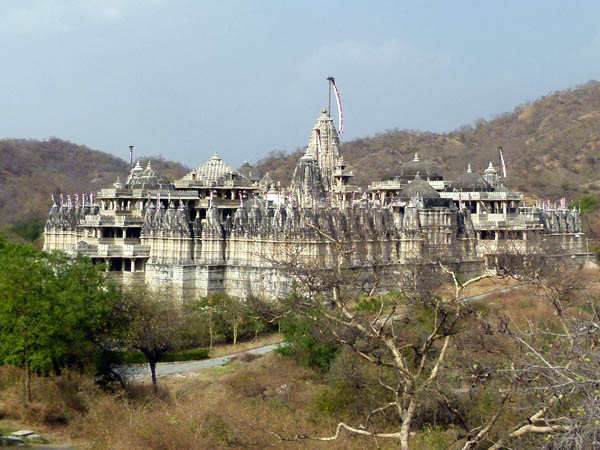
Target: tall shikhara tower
(323, 145)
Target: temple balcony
(125, 250)
(466, 196)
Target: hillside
(31, 170)
(551, 147)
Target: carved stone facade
(218, 230)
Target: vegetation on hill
(31, 170)
(551, 147)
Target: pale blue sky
(186, 79)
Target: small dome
(249, 172)
(267, 180)
(214, 172)
(419, 188)
(471, 182)
(407, 172)
(149, 180)
(490, 169)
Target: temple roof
(250, 172)
(148, 179)
(407, 171)
(213, 172)
(471, 182)
(419, 188)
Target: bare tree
(407, 334)
(551, 370)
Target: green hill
(31, 170)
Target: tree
(53, 309)
(553, 377)
(234, 313)
(156, 323)
(406, 334)
(421, 339)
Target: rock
(22, 433)
(34, 437)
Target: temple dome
(214, 172)
(407, 171)
(148, 179)
(471, 182)
(419, 188)
(250, 172)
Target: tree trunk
(210, 332)
(152, 363)
(27, 381)
(234, 333)
(56, 367)
(406, 421)
(27, 368)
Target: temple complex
(219, 229)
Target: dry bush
(145, 394)
(56, 400)
(246, 357)
(246, 382)
(211, 411)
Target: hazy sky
(186, 79)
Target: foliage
(29, 230)
(155, 323)
(588, 204)
(53, 309)
(306, 344)
(226, 319)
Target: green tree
(156, 323)
(588, 204)
(52, 309)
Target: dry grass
(228, 349)
(239, 405)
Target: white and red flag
(339, 105)
(502, 162)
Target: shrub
(306, 344)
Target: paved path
(142, 371)
(474, 298)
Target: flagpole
(329, 79)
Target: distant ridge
(31, 170)
(552, 147)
